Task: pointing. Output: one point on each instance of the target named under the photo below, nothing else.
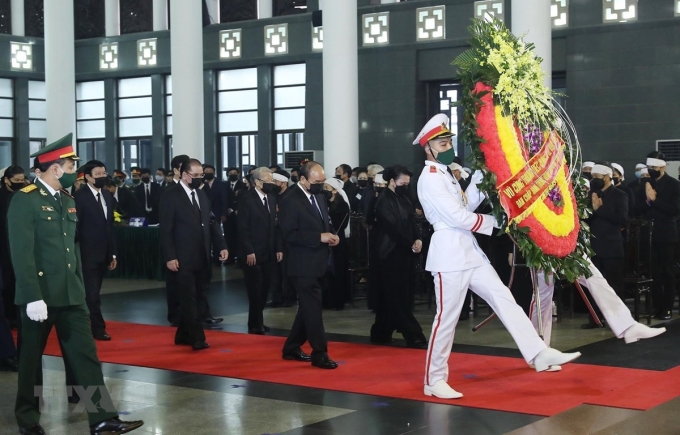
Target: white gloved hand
(37, 311)
(477, 177)
(496, 224)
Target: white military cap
(438, 126)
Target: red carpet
(488, 382)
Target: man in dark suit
(217, 192)
(187, 233)
(159, 178)
(148, 195)
(95, 207)
(307, 231)
(659, 200)
(126, 202)
(234, 186)
(344, 173)
(260, 245)
(610, 213)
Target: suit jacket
(154, 200)
(301, 228)
(95, 232)
(607, 222)
(396, 224)
(42, 240)
(257, 230)
(663, 211)
(350, 189)
(218, 194)
(186, 235)
(233, 193)
(127, 204)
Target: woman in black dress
(338, 211)
(397, 243)
(13, 179)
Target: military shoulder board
(28, 189)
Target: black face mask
(294, 179)
(362, 183)
(653, 173)
(209, 176)
(327, 194)
(195, 183)
(315, 189)
(99, 182)
(233, 177)
(587, 175)
(272, 188)
(370, 181)
(379, 190)
(401, 190)
(596, 184)
(338, 177)
(146, 179)
(17, 186)
(616, 181)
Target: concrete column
(340, 84)
(213, 10)
(160, 13)
(265, 9)
(60, 83)
(532, 17)
(18, 18)
(112, 17)
(187, 77)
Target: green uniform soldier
(41, 220)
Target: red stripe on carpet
(488, 382)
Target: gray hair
(260, 172)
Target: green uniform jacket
(42, 241)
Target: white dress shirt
(96, 192)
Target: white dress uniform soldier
(615, 312)
(457, 263)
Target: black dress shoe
(256, 331)
(33, 430)
(115, 426)
(663, 315)
(212, 320)
(324, 363)
(9, 365)
(297, 355)
(266, 328)
(416, 344)
(200, 345)
(273, 304)
(212, 327)
(174, 324)
(287, 304)
(101, 336)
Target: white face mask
(159, 178)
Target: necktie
(146, 196)
(194, 203)
(101, 206)
(316, 206)
(266, 204)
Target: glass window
(135, 152)
(6, 88)
(135, 127)
(238, 100)
(5, 153)
(6, 128)
(286, 75)
(6, 108)
(237, 79)
(288, 142)
(136, 87)
(90, 90)
(289, 119)
(36, 90)
(91, 129)
(130, 107)
(238, 121)
(289, 97)
(37, 110)
(168, 105)
(37, 128)
(168, 125)
(90, 110)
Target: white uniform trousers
(615, 312)
(450, 289)
(545, 290)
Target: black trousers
(7, 347)
(172, 295)
(663, 287)
(8, 289)
(189, 283)
(308, 323)
(394, 310)
(260, 280)
(93, 275)
(284, 292)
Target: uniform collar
(47, 186)
(435, 164)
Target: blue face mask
(638, 174)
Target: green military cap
(60, 149)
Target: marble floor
(189, 404)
